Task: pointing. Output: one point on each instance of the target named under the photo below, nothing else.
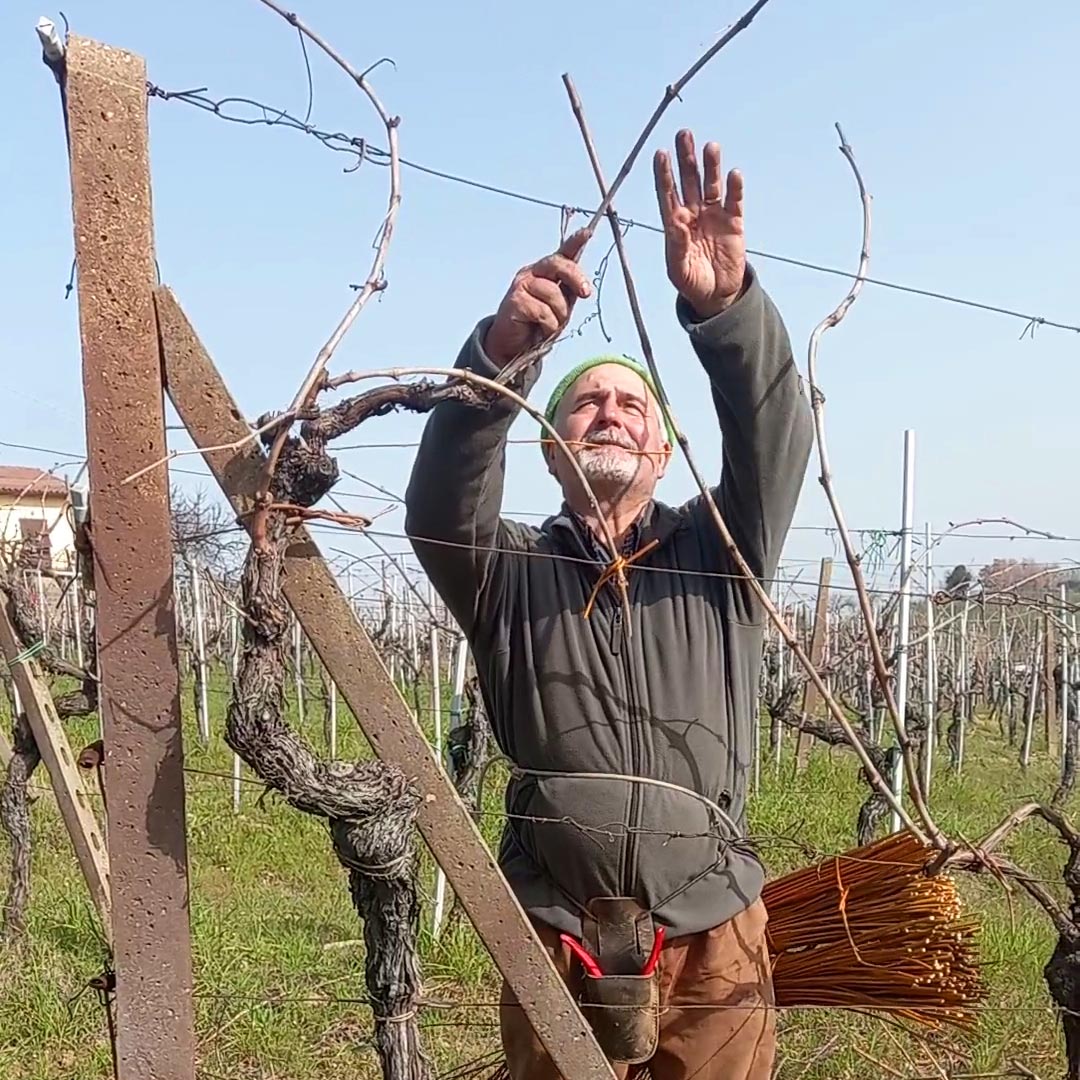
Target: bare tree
(206, 534)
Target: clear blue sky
(960, 115)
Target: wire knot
(399, 1018)
(386, 871)
(616, 569)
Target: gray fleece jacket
(671, 701)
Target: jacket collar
(658, 521)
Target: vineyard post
(811, 697)
(1006, 671)
(907, 517)
(409, 608)
(1050, 700)
(298, 670)
(931, 670)
(1032, 699)
(436, 707)
(43, 608)
(105, 94)
(76, 609)
(234, 667)
(331, 718)
(198, 619)
(963, 686)
(1064, 672)
(36, 702)
(777, 730)
(461, 661)
(392, 600)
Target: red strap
(592, 968)
(654, 956)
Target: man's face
(612, 424)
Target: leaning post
(105, 94)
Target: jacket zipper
(619, 647)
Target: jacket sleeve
(765, 422)
(454, 497)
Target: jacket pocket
(572, 830)
(682, 840)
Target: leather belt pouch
(623, 1005)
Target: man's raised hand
(703, 230)
(539, 302)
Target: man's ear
(665, 459)
(550, 450)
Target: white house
(35, 519)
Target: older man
(630, 743)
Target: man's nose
(608, 411)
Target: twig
(1053, 817)
(879, 1064)
(980, 856)
(891, 1036)
(728, 540)
(375, 281)
(281, 418)
(817, 401)
(1012, 822)
(295, 514)
(1022, 1070)
(1027, 531)
(822, 1053)
(1013, 1070)
(672, 92)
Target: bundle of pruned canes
(868, 930)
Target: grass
(273, 929)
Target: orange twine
(843, 911)
(616, 568)
(584, 442)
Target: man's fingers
(677, 240)
(688, 170)
(733, 203)
(551, 294)
(531, 311)
(666, 195)
(713, 190)
(559, 268)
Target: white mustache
(610, 438)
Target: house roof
(30, 482)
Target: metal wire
(230, 109)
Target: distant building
(35, 520)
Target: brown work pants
(726, 967)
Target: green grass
(272, 926)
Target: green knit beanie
(575, 373)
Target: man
(630, 743)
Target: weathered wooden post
(133, 560)
(31, 696)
